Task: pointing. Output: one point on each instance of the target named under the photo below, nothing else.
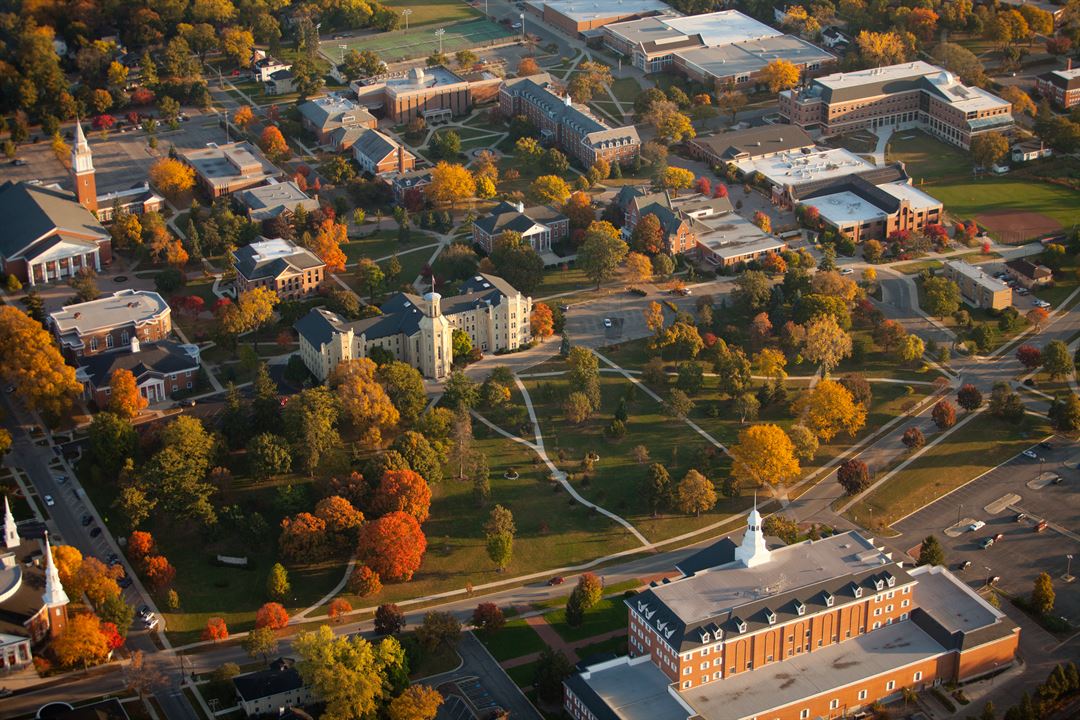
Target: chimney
(135, 347)
(1068, 65)
(400, 159)
(520, 207)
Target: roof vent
(78, 315)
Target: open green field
(434, 12)
(980, 445)
(398, 45)
(514, 639)
(607, 615)
(926, 158)
(382, 243)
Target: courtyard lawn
(926, 158)
(607, 615)
(433, 12)
(980, 445)
(626, 90)
(382, 243)
(515, 639)
(971, 198)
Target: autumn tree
(913, 438)
(944, 414)
(1029, 356)
(549, 190)
(271, 615)
(159, 572)
(671, 124)
(262, 641)
(764, 454)
(338, 609)
(541, 321)
(969, 397)
(402, 491)
(601, 252)
(268, 455)
(342, 522)
(273, 143)
(1042, 594)
(327, 244)
(215, 630)
(125, 399)
(780, 75)
(83, 642)
(393, 546)
(830, 408)
(1037, 317)
(302, 538)
(639, 268)
(243, 116)
(405, 387)
(942, 296)
(488, 617)
(988, 148)
(389, 620)
(310, 421)
(804, 441)
(172, 177)
(854, 476)
(364, 402)
(139, 546)
(674, 179)
(826, 342)
(278, 586)
(418, 702)
(695, 494)
(31, 362)
(251, 311)
(647, 236)
(450, 183)
(879, 49)
(528, 66)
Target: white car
(49, 500)
(847, 271)
(1031, 454)
(976, 526)
(607, 322)
(1042, 303)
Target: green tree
(656, 488)
(1056, 360)
(353, 677)
(1042, 595)
(931, 552)
(260, 642)
(1064, 413)
(584, 374)
(277, 583)
(461, 344)
(420, 455)
(268, 455)
(602, 252)
(517, 262)
(115, 610)
(176, 473)
(112, 440)
(942, 296)
(552, 668)
(405, 387)
(461, 391)
(310, 424)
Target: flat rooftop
(423, 78)
(650, 29)
(122, 307)
(798, 167)
(877, 75)
(712, 592)
(918, 199)
(748, 57)
(722, 28)
(950, 602)
(634, 689)
(844, 208)
(976, 273)
(274, 194)
(600, 9)
(220, 163)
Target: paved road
(476, 662)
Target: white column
(45, 272)
(97, 260)
(71, 266)
(30, 273)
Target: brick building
(229, 168)
(976, 287)
(910, 95)
(161, 370)
(569, 127)
(540, 226)
(378, 154)
(435, 94)
(749, 144)
(574, 18)
(101, 325)
(862, 210)
(289, 270)
(1061, 87)
(818, 629)
(336, 121)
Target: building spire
(11, 530)
(54, 590)
(753, 551)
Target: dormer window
(829, 599)
(800, 608)
(878, 584)
(770, 616)
(858, 591)
(705, 636)
(890, 581)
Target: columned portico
(48, 270)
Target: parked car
(564, 308)
(87, 519)
(976, 526)
(95, 532)
(1031, 454)
(557, 580)
(988, 542)
(124, 582)
(847, 271)
(49, 500)
(1021, 517)
(964, 565)
(144, 612)
(999, 537)
(607, 322)
(1045, 445)
(1040, 526)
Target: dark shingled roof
(110, 709)
(373, 145)
(505, 216)
(164, 358)
(871, 177)
(755, 141)
(32, 211)
(1029, 270)
(280, 677)
(252, 267)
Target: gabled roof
(281, 677)
(1029, 270)
(374, 145)
(272, 258)
(506, 216)
(32, 211)
(162, 358)
(537, 90)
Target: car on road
(986, 543)
(19, 162)
(564, 308)
(49, 500)
(150, 622)
(61, 479)
(964, 565)
(95, 532)
(847, 271)
(113, 559)
(607, 322)
(1021, 517)
(976, 526)
(1057, 480)
(683, 292)
(124, 582)
(557, 580)
(87, 519)
(1040, 526)
(1031, 454)
(144, 612)
(1041, 303)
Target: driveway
(476, 662)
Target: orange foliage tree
(303, 537)
(327, 245)
(403, 491)
(215, 630)
(139, 546)
(342, 521)
(271, 615)
(30, 360)
(273, 143)
(159, 572)
(125, 399)
(338, 608)
(172, 177)
(243, 116)
(541, 321)
(393, 546)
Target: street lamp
(439, 34)
(406, 13)
(987, 583)
(1068, 570)
(342, 49)
(958, 509)
(522, 16)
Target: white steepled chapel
(11, 531)
(752, 551)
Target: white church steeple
(752, 551)
(11, 531)
(54, 596)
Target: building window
(109, 340)
(686, 684)
(804, 713)
(833, 704)
(891, 685)
(862, 694)
(918, 676)
(93, 344)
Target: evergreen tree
(931, 552)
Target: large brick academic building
(818, 629)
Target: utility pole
(439, 34)
(522, 16)
(405, 14)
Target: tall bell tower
(82, 171)
(56, 600)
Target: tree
(1037, 317)
(672, 126)
(764, 454)
(450, 183)
(528, 66)
(271, 615)
(141, 677)
(1056, 361)
(695, 494)
(552, 668)
(1005, 403)
(648, 237)
(639, 268)
(881, 49)
(541, 321)
(854, 476)
(826, 342)
(804, 441)
(172, 177)
(405, 387)
(445, 145)
(830, 408)
(418, 702)
(942, 296)
(310, 422)
(488, 617)
(439, 629)
(601, 252)
(1029, 356)
(30, 361)
(656, 488)
(268, 455)
(780, 75)
(125, 400)
(1064, 413)
(159, 572)
(731, 101)
(262, 641)
(82, 642)
(139, 546)
(517, 262)
(678, 405)
(549, 190)
(389, 620)
(499, 536)
(958, 59)
(176, 474)
(243, 116)
(342, 521)
(251, 311)
(352, 676)
(944, 414)
(277, 582)
(363, 400)
(302, 538)
(931, 552)
(215, 630)
(913, 438)
(910, 349)
(763, 221)
(402, 491)
(327, 245)
(752, 291)
(674, 179)
(393, 546)
(988, 148)
(1042, 595)
(273, 143)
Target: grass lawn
(980, 445)
(607, 615)
(557, 280)
(523, 675)
(914, 268)
(927, 158)
(515, 639)
(432, 12)
(626, 90)
(615, 645)
(382, 243)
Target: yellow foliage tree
(549, 190)
(68, 560)
(327, 244)
(639, 267)
(695, 494)
(125, 399)
(30, 360)
(830, 408)
(81, 643)
(363, 400)
(418, 702)
(654, 317)
(236, 43)
(826, 342)
(780, 75)
(675, 178)
(764, 454)
(252, 309)
(450, 183)
(172, 177)
(771, 362)
(243, 116)
(879, 49)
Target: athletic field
(420, 42)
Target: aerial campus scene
(553, 359)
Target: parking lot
(1023, 300)
(1044, 487)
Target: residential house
(110, 322)
(263, 68)
(1029, 150)
(1028, 274)
(161, 370)
(378, 154)
(541, 226)
(272, 692)
(281, 82)
(291, 271)
(408, 182)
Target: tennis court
(400, 45)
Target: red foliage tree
(159, 572)
(853, 476)
(272, 615)
(703, 186)
(944, 414)
(112, 636)
(215, 630)
(339, 607)
(139, 545)
(142, 97)
(719, 190)
(404, 491)
(914, 438)
(1029, 356)
(365, 582)
(104, 122)
(389, 619)
(221, 305)
(488, 617)
(969, 397)
(393, 546)
(303, 537)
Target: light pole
(1068, 570)
(342, 49)
(522, 16)
(406, 13)
(439, 34)
(958, 509)
(987, 583)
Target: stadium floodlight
(406, 13)
(342, 48)
(439, 34)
